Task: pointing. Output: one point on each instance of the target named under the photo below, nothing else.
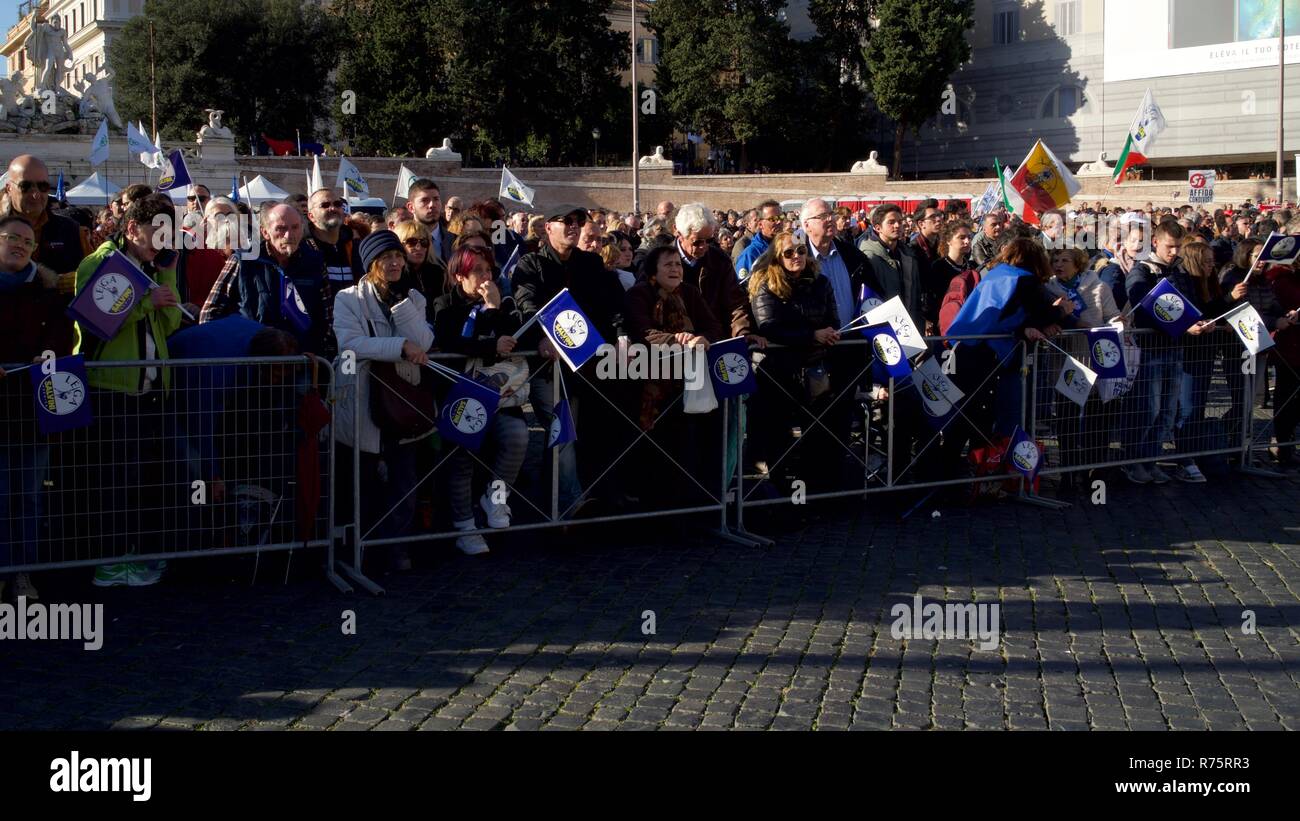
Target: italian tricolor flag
(1146, 126)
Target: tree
(725, 69)
(913, 51)
(837, 77)
(523, 82)
(266, 63)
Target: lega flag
(1043, 181)
(315, 181)
(350, 181)
(174, 172)
(989, 200)
(1249, 327)
(1173, 313)
(868, 300)
(1023, 455)
(1106, 353)
(466, 413)
(62, 397)
(512, 190)
(888, 350)
(730, 368)
(569, 330)
(405, 177)
(562, 428)
(99, 145)
(137, 143)
(1075, 381)
(1279, 249)
(895, 315)
(292, 307)
(109, 296)
(939, 396)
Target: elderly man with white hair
(708, 268)
(841, 263)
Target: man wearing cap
(538, 277)
(253, 286)
(328, 236)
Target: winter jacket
(452, 309)
(721, 291)
(748, 258)
(791, 322)
(959, 288)
(1286, 287)
(935, 283)
(540, 276)
(982, 249)
(1006, 301)
(1145, 275)
(255, 293)
(642, 326)
(32, 316)
(890, 277)
(366, 327)
(129, 344)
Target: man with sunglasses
(769, 222)
(197, 199)
(58, 238)
(328, 235)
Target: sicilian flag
(1023, 455)
(350, 181)
(467, 412)
(59, 193)
(569, 330)
(562, 429)
(109, 296)
(1146, 126)
(888, 350)
(292, 308)
(405, 177)
(1106, 353)
(174, 173)
(62, 396)
(1172, 312)
(1279, 249)
(1043, 181)
(1075, 381)
(137, 143)
(1249, 327)
(99, 145)
(512, 190)
(730, 368)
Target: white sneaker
(1158, 476)
(473, 544)
(498, 515)
(1137, 474)
(1189, 473)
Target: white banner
(1200, 187)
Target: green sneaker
(143, 574)
(112, 575)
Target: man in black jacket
(893, 270)
(58, 238)
(424, 201)
(707, 267)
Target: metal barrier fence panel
(232, 457)
(1276, 407)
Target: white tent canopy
(259, 190)
(93, 190)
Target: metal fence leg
(334, 533)
(1029, 416)
(353, 570)
(741, 429)
(1248, 425)
(724, 530)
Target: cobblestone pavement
(1127, 615)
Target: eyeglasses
(415, 242)
(332, 204)
(797, 251)
(769, 219)
(18, 239)
(27, 185)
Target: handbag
(509, 375)
(398, 407)
(698, 395)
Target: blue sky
(8, 16)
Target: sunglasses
(572, 219)
(415, 242)
(332, 204)
(192, 198)
(18, 239)
(797, 251)
(27, 185)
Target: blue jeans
(1162, 371)
(1193, 431)
(541, 395)
(23, 468)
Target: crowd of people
(445, 280)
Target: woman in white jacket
(381, 318)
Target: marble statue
(49, 52)
(98, 96)
(871, 165)
(214, 130)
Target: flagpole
(636, 104)
(153, 96)
(1281, 92)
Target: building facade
(91, 26)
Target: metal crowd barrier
(226, 460)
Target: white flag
(938, 392)
(405, 177)
(1076, 381)
(893, 312)
(314, 180)
(1246, 322)
(137, 143)
(350, 180)
(99, 146)
(512, 190)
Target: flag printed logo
(62, 398)
(113, 294)
(1024, 455)
(562, 429)
(354, 188)
(61, 393)
(1168, 308)
(933, 402)
(1245, 331)
(731, 369)
(1249, 327)
(888, 349)
(1075, 381)
(468, 415)
(1284, 248)
(557, 427)
(1106, 353)
(570, 329)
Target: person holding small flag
(472, 318)
(1192, 431)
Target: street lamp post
(595, 136)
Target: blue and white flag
(1172, 312)
(512, 260)
(562, 429)
(1249, 327)
(1279, 249)
(1075, 381)
(234, 189)
(939, 396)
(1106, 353)
(405, 178)
(60, 194)
(292, 308)
(99, 145)
(512, 190)
(888, 350)
(109, 296)
(350, 181)
(137, 143)
(905, 329)
(1023, 455)
(569, 329)
(730, 368)
(467, 412)
(990, 199)
(62, 397)
(868, 300)
(174, 172)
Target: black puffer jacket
(791, 322)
